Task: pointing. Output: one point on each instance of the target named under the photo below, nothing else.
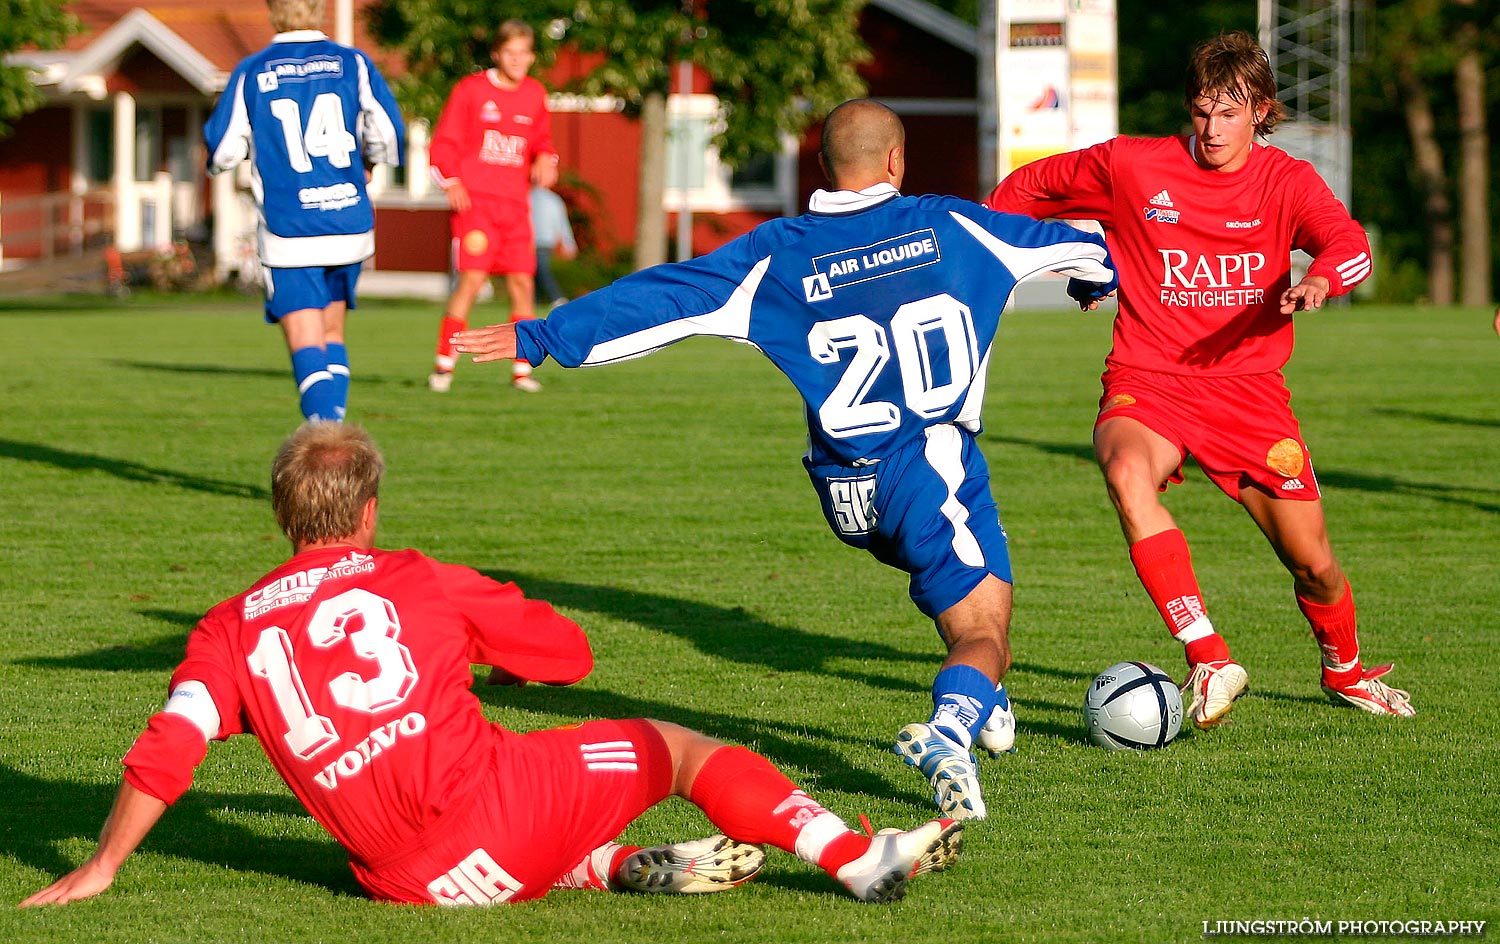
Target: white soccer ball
(1132, 706)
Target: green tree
(775, 65)
(40, 24)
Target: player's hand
(1088, 294)
(492, 343)
(458, 197)
(1497, 320)
(499, 676)
(544, 170)
(1307, 295)
(86, 881)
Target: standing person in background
(554, 235)
(492, 142)
(881, 309)
(1203, 226)
(352, 667)
(310, 114)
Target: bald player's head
(863, 144)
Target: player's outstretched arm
(491, 343)
(132, 817)
(1497, 320)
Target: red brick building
(117, 154)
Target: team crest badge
(1286, 458)
(1117, 401)
(475, 242)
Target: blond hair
(513, 29)
(321, 479)
(288, 15)
(1234, 65)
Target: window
(767, 182)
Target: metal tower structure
(1308, 42)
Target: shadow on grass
(125, 469)
(727, 633)
(42, 814)
(1444, 419)
(1377, 483)
(216, 369)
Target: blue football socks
(962, 699)
(338, 366)
(315, 384)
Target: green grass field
(661, 504)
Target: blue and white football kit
(881, 309)
(308, 114)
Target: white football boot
(894, 857)
(998, 736)
(950, 768)
(1214, 687)
(715, 864)
(1373, 695)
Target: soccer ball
(1132, 705)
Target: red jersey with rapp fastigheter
(488, 136)
(1204, 256)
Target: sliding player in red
(351, 666)
(1202, 227)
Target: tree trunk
(1432, 180)
(1473, 172)
(650, 218)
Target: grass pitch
(661, 504)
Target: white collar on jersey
(848, 201)
(299, 36)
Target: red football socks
(449, 327)
(1165, 568)
(748, 799)
(1335, 628)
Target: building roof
(200, 41)
(939, 23)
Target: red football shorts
(1239, 429)
(494, 236)
(549, 799)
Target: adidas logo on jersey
(1161, 200)
(1291, 485)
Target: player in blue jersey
(310, 115)
(881, 309)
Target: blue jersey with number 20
(880, 309)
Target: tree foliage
(42, 24)
(776, 64)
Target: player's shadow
(1444, 419)
(728, 632)
(159, 654)
(42, 815)
(214, 369)
(125, 469)
(224, 370)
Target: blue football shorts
(289, 290)
(926, 510)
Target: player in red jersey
(351, 666)
(1202, 227)
(492, 142)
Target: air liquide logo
(834, 270)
